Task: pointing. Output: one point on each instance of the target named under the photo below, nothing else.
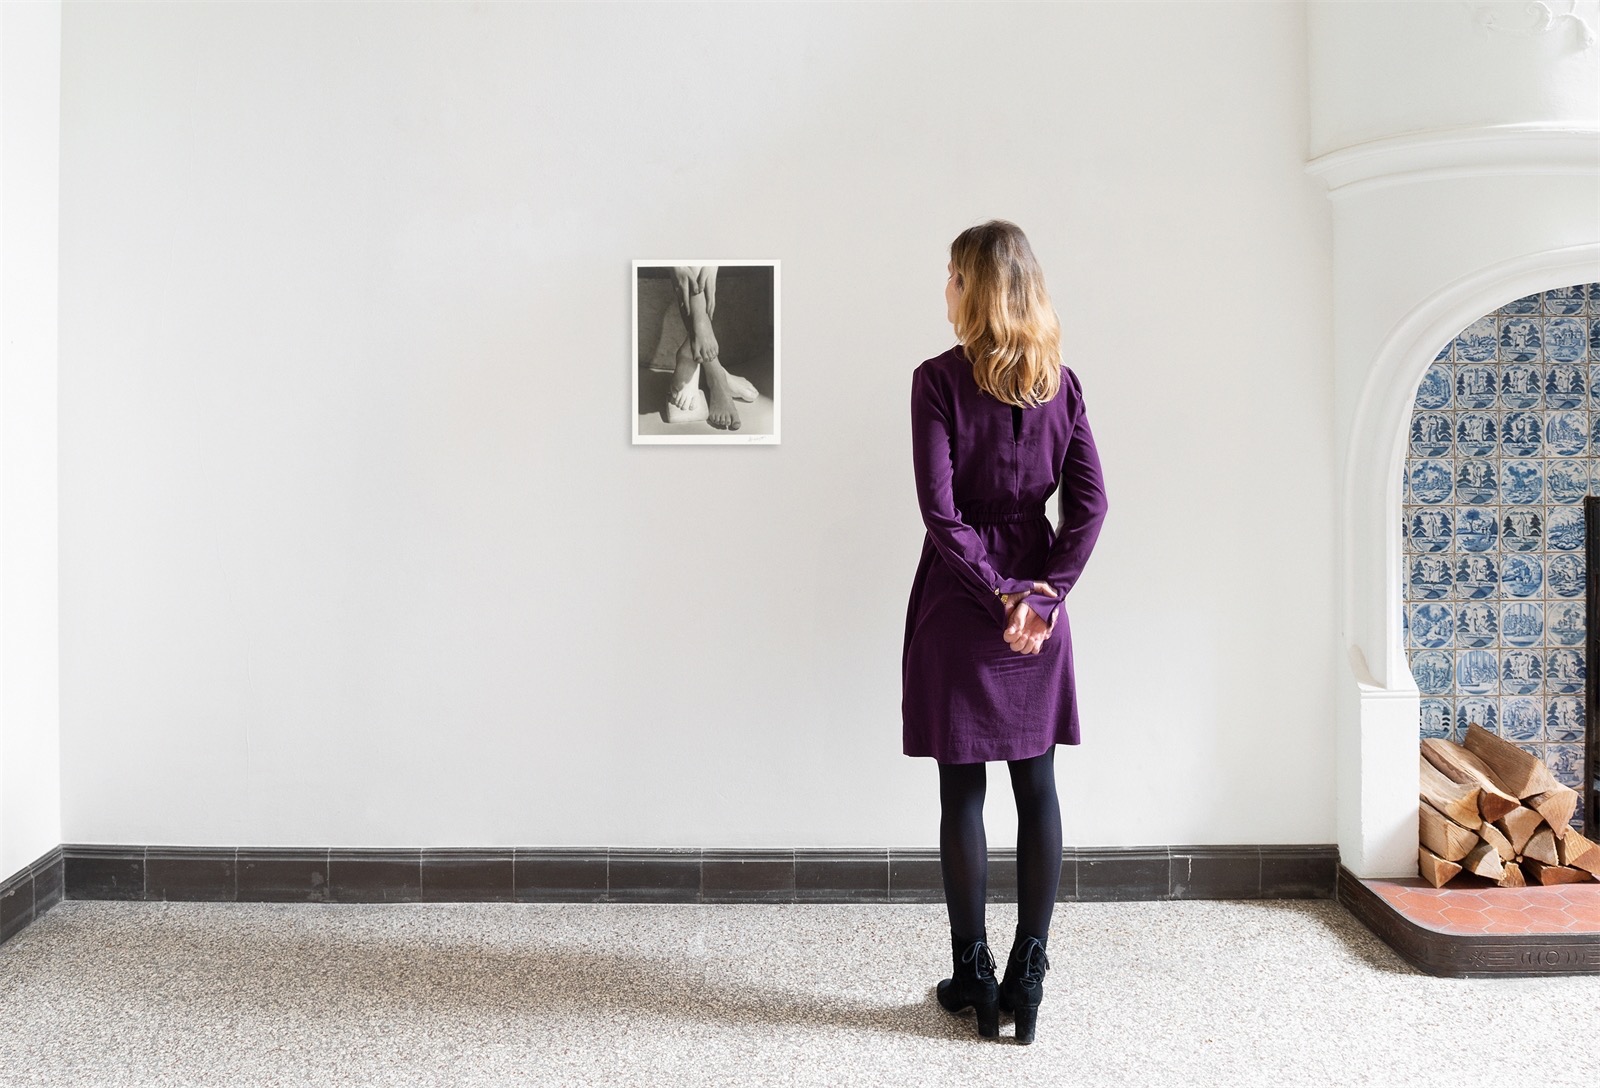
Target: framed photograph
(705, 337)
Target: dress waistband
(994, 513)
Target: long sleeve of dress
(1081, 500)
(957, 542)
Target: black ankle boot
(973, 985)
(1023, 987)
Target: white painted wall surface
(30, 742)
(355, 549)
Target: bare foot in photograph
(724, 416)
(696, 412)
(684, 384)
(703, 339)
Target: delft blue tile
(1568, 481)
(1431, 480)
(1431, 625)
(1485, 712)
(1567, 430)
(1476, 386)
(1564, 528)
(1434, 672)
(1479, 342)
(1476, 481)
(1567, 764)
(1521, 672)
(1431, 529)
(1521, 382)
(1521, 718)
(1477, 434)
(1560, 300)
(1430, 434)
(1566, 576)
(1476, 575)
(1566, 623)
(1477, 672)
(1477, 624)
(1564, 719)
(1565, 672)
(1521, 341)
(1437, 719)
(1522, 529)
(1521, 481)
(1444, 352)
(1566, 339)
(1477, 528)
(1521, 623)
(1522, 434)
(1437, 388)
(1430, 579)
(1594, 337)
(1521, 574)
(1565, 386)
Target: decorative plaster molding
(1533, 148)
(1527, 19)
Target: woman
(986, 668)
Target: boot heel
(1027, 1020)
(989, 1018)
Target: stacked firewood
(1490, 808)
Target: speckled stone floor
(1272, 992)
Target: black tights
(964, 850)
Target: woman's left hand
(1026, 633)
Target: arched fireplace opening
(1502, 450)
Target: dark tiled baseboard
(26, 895)
(619, 875)
(1468, 955)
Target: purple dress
(984, 471)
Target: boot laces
(977, 953)
(1033, 960)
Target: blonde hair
(1004, 318)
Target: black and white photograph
(705, 335)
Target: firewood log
(1483, 860)
(1443, 835)
(1519, 825)
(1554, 874)
(1542, 847)
(1455, 800)
(1578, 852)
(1495, 838)
(1556, 806)
(1459, 765)
(1515, 771)
(1434, 869)
(1512, 877)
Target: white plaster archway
(1377, 763)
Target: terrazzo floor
(1201, 992)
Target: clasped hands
(1026, 632)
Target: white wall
(355, 548)
(30, 756)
